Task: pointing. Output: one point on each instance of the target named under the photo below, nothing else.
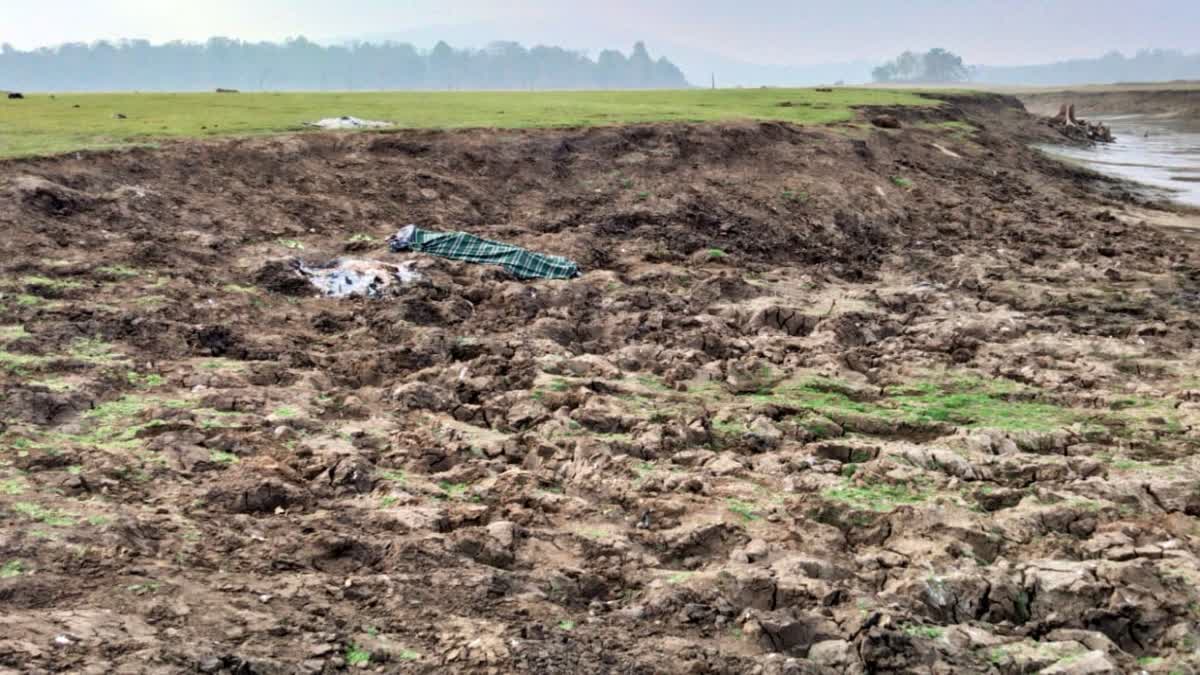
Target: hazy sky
(765, 31)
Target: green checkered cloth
(519, 262)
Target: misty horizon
(764, 32)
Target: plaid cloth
(519, 262)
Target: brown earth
(825, 400)
(1175, 102)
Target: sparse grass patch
(361, 238)
(394, 476)
(652, 382)
(241, 290)
(144, 588)
(26, 300)
(566, 624)
(21, 364)
(42, 282)
(12, 487)
(408, 655)
(797, 196)
(112, 423)
(226, 458)
(453, 490)
(747, 510)
(901, 182)
(679, 577)
(875, 497)
(286, 413)
(120, 271)
(357, 656)
(51, 517)
(146, 381)
(923, 631)
(93, 350)
(8, 333)
(10, 569)
(292, 244)
(961, 400)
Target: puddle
(1162, 152)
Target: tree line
(300, 64)
(1147, 65)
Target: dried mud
(825, 400)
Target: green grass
(12, 487)
(878, 497)
(921, 631)
(226, 458)
(961, 400)
(744, 509)
(11, 569)
(356, 656)
(8, 333)
(93, 350)
(146, 381)
(566, 624)
(38, 281)
(40, 125)
(394, 476)
(143, 588)
(41, 514)
(20, 364)
(453, 490)
(121, 271)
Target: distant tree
(943, 66)
(936, 65)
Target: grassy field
(42, 125)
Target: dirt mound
(824, 400)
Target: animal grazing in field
(14, 95)
(227, 91)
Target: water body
(1163, 152)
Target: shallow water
(1159, 151)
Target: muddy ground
(1145, 100)
(824, 400)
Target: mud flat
(824, 400)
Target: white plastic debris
(348, 122)
(347, 277)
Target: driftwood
(1073, 127)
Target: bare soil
(1167, 101)
(824, 400)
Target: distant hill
(300, 64)
(1155, 65)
